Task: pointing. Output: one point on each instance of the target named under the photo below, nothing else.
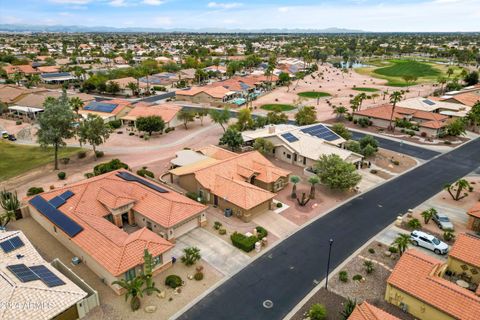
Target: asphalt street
(289, 271)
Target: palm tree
(449, 72)
(133, 288)
(441, 81)
(395, 97)
(35, 79)
(294, 180)
(132, 86)
(9, 202)
(374, 96)
(76, 104)
(458, 186)
(401, 242)
(17, 77)
(340, 111)
(362, 96)
(313, 180)
(428, 214)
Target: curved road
(287, 272)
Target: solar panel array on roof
(429, 102)
(57, 217)
(130, 177)
(11, 244)
(61, 199)
(47, 276)
(101, 106)
(289, 137)
(320, 131)
(22, 272)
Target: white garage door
(187, 226)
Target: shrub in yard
(89, 175)
(261, 232)
(343, 276)
(373, 171)
(369, 266)
(61, 175)
(34, 190)
(173, 281)
(243, 242)
(115, 124)
(81, 154)
(198, 276)
(217, 225)
(396, 162)
(279, 205)
(191, 255)
(317, 312)
(447, 142)
(414, 223)
(18, 122)
(145, 173)
(371, 250)
(393, 249)
(99, 154)
(448, 235)
(363, 122)
(222, 231)
(131, 133)
(348, 308)
(65, 161)
(357, 277)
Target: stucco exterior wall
(200, 98)
(455, 265)
(415, 307)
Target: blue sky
(369, 15)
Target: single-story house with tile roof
(48, 69)
(245, 183)
(57, 77)
(213, 95)
(367, 311)
(430, 124)
(434, 104)
(474, 218)
(464, 258)
(167, 111)
(418, 286)
(123, 84)
(25, 69)
(107, 221)
(469, 98)
(32, 288)
(10, 93)
(302, 146)
(108, 110)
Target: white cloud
(71, 1)
(118, 3)
(153, 2)
(65, 14)
(224, 5)
(283, 9)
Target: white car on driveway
(423, 239)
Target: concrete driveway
(276, 224)
(215, 251)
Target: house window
(157, 260)
(289, 156)
(130, 274)
(109, 218)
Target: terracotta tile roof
(11, 93)
(383, 112)
(214, 91)
(467, 249)
(49, 69)
(475, 210)
(27, 69)
(216, 152)
(415, 275)
(166, 111)
(113, 248)
(366, 311)
(121, 104)
(467, 98)
(228, 178)
(16, 293)
(123, 82)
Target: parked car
(423, 239)
(442, 221)
(11, 137)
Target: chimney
(271, 128)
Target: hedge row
(243, 242)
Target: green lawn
(393, 70)
(277, 107)
(313, 94)
(364, 89)
(16, 159)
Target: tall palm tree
(401, 242)
(458, 186)
(450, 72)
(374, 96)
(428, 214)
(362, 96)
(395, 97)
(133, 288)
(313, 180)
(340, 111)
(441, 81)
(132, 86)
(76, 104)
(9, 202)
(294, 180)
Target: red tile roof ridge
(455, 288)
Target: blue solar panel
(101, 106)
(22, 272)
(289, 137)
(11, 244)
(66, 195)
(47, 276)
(320, 131)
(68, 226)
(130, 177)
(57, 201)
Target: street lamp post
(328, 262)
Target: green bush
(34, 190)
(65, 161)
(396, 162)
(115, 124)
(222, 231)
(89, 175)
(18, 122)
(198, 276)
(357, 277)
(145, 173)
(173, 281)
(261, 232)
(81, 154)
(363, 122)
(371, 250)
(62, 175)
(317, 312)
(393, 249)
(243, 242)
(279, 205)
(343, 276)
(169, 129)
(414, 223)
(112, 165)
(217, 225)
(99, 154)
(448, 235)
(192, 195)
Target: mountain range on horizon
(80, 29)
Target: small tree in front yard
(186, 116)
(337, 173)
(414, 224)
(369, 266)
(191, 255)
(348, 308)
(150, 124)
(428, 215)
(232, 138)
(458, 187)
(294, 180)
(313, 180)
(133, 288)
(401, 242)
